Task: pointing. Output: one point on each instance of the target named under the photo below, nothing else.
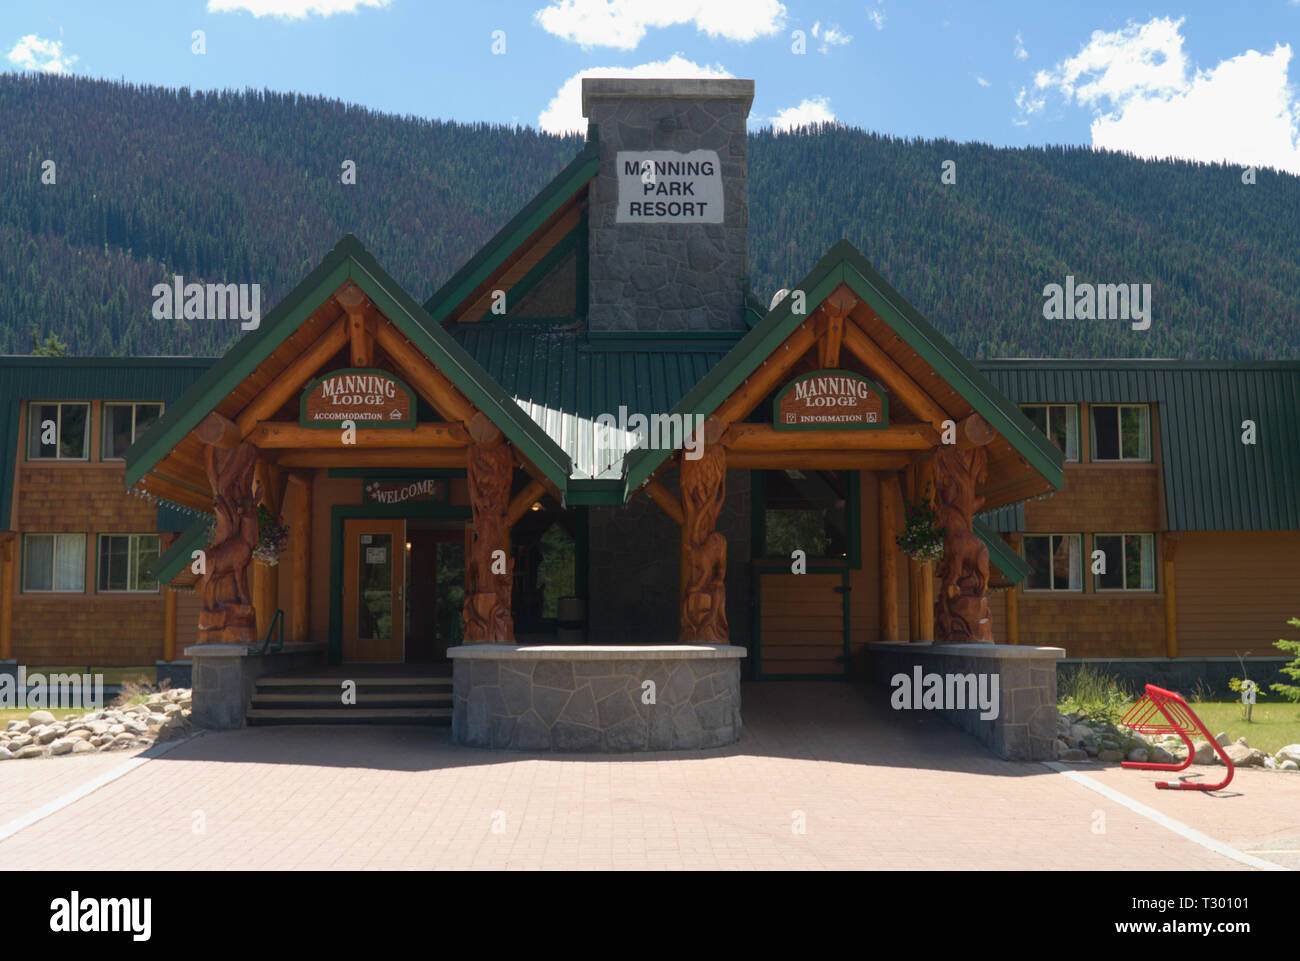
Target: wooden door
(374, 590)
(803, 625)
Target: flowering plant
(921, 540)
(272, 534)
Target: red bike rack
(1165, 712)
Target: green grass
(112, 675)
(1274, 723)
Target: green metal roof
(563, 383)
(843, 263)
(82, 378)
(1212, 480)
(173, 560)
(348, 260)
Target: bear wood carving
(704, 553)
(487, 599)
(961, 612)
(228, 615)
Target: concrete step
(355, 715)
(365, 698)
(432, 680)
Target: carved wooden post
(228, 615)
(487, 596)
(704, 550)
(962, 610)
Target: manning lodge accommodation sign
(830, 400)
(368, 398)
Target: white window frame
(1053, 589)
(1119, 427)
(130, 561)
(1123, 567)
(1071, 410)
(28, 536)
(34, 437)
(133, 404)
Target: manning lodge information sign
(368, 398)
(830, 400)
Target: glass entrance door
(374, 590)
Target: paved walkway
(870, 787)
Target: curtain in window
(69, 562)
(1071, 434)
(1076, 563)
(1148, 562)
(38, 565)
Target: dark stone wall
(635, 568)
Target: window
(57, 431)
(807, 511)
(1060, 422)
(1054, 562)
(124, 560)
(124, 424)
(54, 562)
(1129, 561)
(1121, 432)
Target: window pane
(1062, 567)
(144, 551)
(69, 562)
(1112, 547)
(117, 422)
(145, 415)
(1037, 553)
(1070, 430)
(375, 610)
(1133, 432)
(1105, 433)
(72, 430)
(113, 562)
(40, 413)
(1076, 562)
(807, 511)
(1056, 423)
(1038, 417)
(38, 564)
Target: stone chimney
(669, 216)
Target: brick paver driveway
(826, 776)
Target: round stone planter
(596, 697)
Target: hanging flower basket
(272, 535)
(921, 540)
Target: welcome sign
(368, 398)
(401, 491)
(830, 400)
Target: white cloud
(981, 81)
(1148, 99)
(292, 9)
(1020, 52)
(1028, 103)
(810, 111)
(46, 56)
(622, 23)
(830, 37)
(564, 113)
(877, 17)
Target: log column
(704, 550)
(487, 596)
(962, 611)
(1013, 600)
(228, 616)
(925, 609)
(888, 495)
(298, 509)
(913, 570)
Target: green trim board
(1009, 562)
(574, 240)
(508, 239)
(170, 562)
(349, 260)
(844, 264)
(341, 512)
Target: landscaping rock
(1288, 765)
(1073, 754)
(1289, 753)
(18, 727)
(20, 742)
(1222, 738)
(62, 746)
(171, 710)
(1110, 754)
(1137, 754)
(31, 750)
(40, 717)
(47, 734)
(1081, 732)
(82, 747)
(1204, 752)
(1243, 755)
(5, 754)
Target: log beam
(281, 390)
(669, 504)
(423, 376)
(372, 457)
(816, 460)
(523, 502)
(768, 375)
(298, 509)
(765, 437)
(287, 435)
(974, 431)
(894, 377)
(218, 431)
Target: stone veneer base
(1025, 728)
(225, 675)
(590, 697)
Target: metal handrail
(277, 622)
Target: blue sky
(1202, 80)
